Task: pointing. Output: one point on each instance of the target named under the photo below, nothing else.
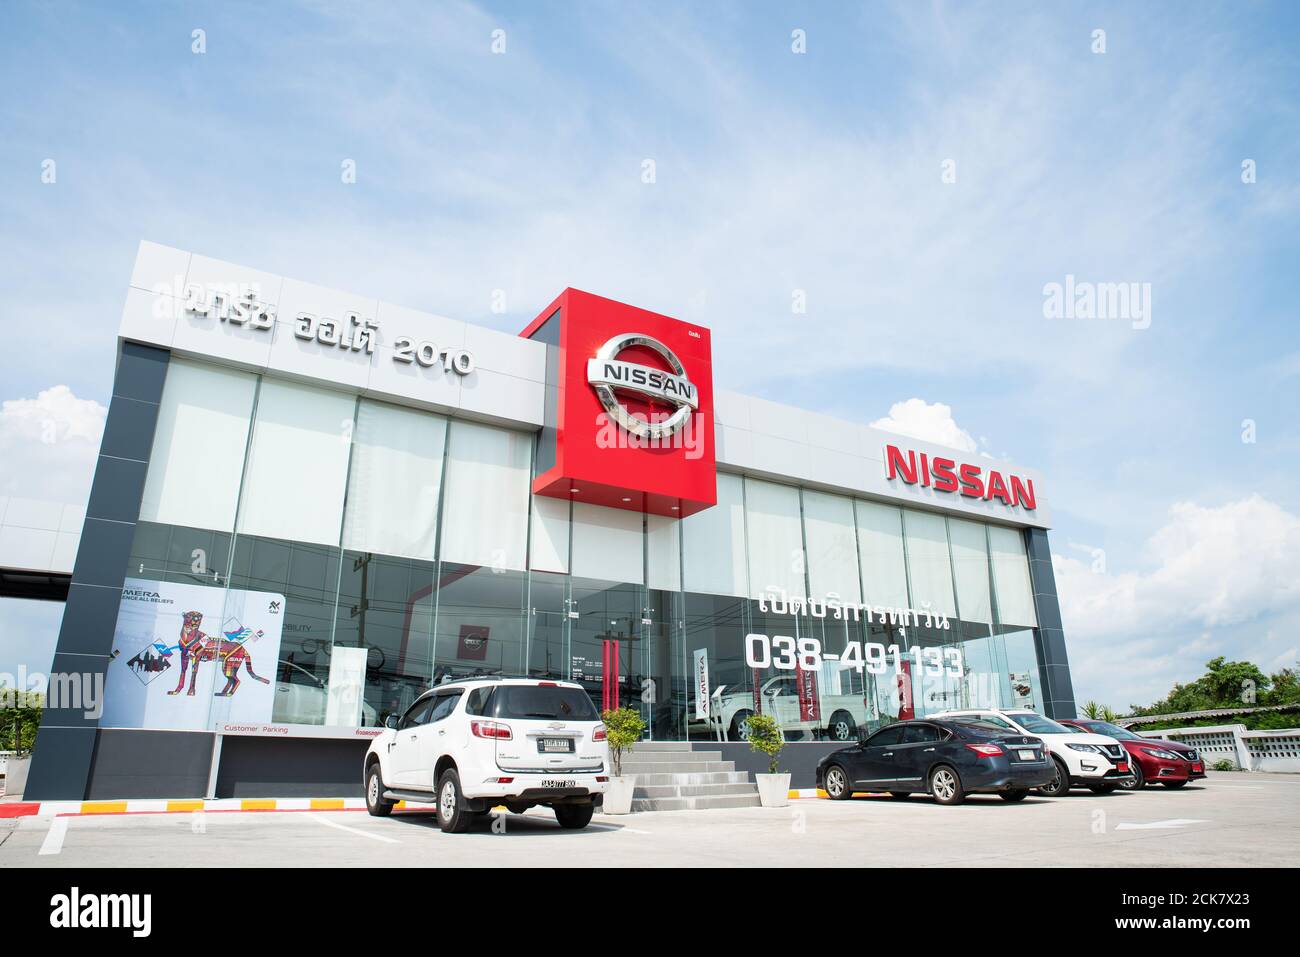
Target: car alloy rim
(374, 789)
(944, 785)
(835, 781)
(448, 800)
(842, 730)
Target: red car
(1170, 763)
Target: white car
(780, 695)
(469, 746)
(1091, 761)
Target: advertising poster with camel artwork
(186, 656)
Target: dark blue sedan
(945, 759)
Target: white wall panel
(774, 538)
(928, 566)
(713, 543)
(298, 464)
(1011, 580)
(832, 546)
(549, 539)
(663, 552)
(970, 563)
(197, 462)
(485, 515)
(607, 544)
(394, 481)
(880, 553)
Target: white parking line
(1159, 825)
(53, 842)
(351, 830)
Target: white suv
(1091, 761)
(469, 746)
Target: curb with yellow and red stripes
(195, 805)
(188, 806)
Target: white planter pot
(773, 789)
(618, 797)
(16, 776)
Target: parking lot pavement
(1232, 820)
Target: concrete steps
(672, 777)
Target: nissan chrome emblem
(609, 375)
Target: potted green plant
(623, 728)
(765, 736)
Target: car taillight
(985, 750)
(599, 733)
(490, 729)
(601, 779)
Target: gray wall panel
(295, 767)
(129, 763)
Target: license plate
(1121, 767)
(555, 745)
(558, 782)
(1027, 755)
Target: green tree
(765, 735)
(20, 716)
(623, 729)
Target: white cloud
(1213, 576)
(930, 422)
(1210, 566)
(48, 445)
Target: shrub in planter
(623, 728)
(765, 736)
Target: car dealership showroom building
(310, 506)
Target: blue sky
(774, 172)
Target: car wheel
(1101, 788)
(945, 785)
(452, 816)
(1175, 785)
(375, 803)
(1019, 794)
(574, 817)
(1138, 780)
(837, 783)
(900, 795)
(1060, 785)
(842, 727)
(740, 726)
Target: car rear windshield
(1114, 730)
(1037, 724)
(544, 702)
(974, 727)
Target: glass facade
(395, 548)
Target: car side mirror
(391, 722)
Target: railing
(1247, 750)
